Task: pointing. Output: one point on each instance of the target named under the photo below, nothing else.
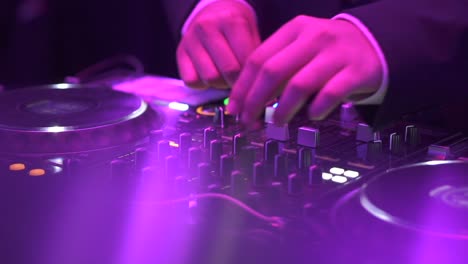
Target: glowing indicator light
(337, 171)
(339, 179)
(17, 167)
(178, 106)
(351, 174)
(37, 172)
(327, 176)
(63, 86)
(173, 144)
(226, 101)
(55, 129)
(275, 105)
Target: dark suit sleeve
(425, 43)
(177, 11)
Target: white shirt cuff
(199, 7)
(378, 96)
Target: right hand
(217, 44)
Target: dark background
(72, 35)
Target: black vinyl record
(71, 118)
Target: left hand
(308, 55)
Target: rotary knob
(396, 144)
(238, 142)
(209, 134)
(412, 136)
(270, 150)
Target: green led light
(226, 101)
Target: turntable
(69, 118)
(413, 214)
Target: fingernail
(233, 107)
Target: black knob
(276, 188)
(155, 136)
(238, 183)
(396, 144)
(309, 209)
(253, 199)
(270, 150)
(374, 150)
(152, 179)
(247, 156)
(216, 150)
(148, 174)
(226, 165)
(294, 184)
(141, 158)
(122, 172)
(238, 142)
(164, 149)
(315, 175)
(181, 185)
(194, 157)
(185, 143)
(219, 117)
(121, 168)
(204, 174)
(280, 167)
(258, 174)
(209, 134)
(412, 136)
(304, 159)
(171, 167)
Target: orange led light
(17, 167)
(37, 172)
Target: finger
(270, 47)
(186, 69)
(220, 52)
(242, 36)
(306, 82)
(203, 63)
(337, 89)
(274, 74)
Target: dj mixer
(94, 175)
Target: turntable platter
(413, 214)
(51, 119)
(429, 197)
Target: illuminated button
(37, 172)
(17, 167)
(336, 171)
(178, 106)
(326, 176)
(351, 174)
(173, 144)
(339, 179)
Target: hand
(307, 56)
(217, 44)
